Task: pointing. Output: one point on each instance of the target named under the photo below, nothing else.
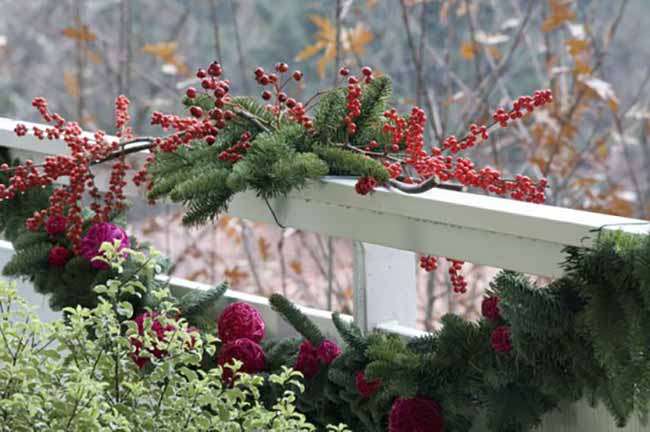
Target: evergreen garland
(585, 335)
(283, 155)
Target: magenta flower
(98, 234)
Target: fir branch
(298, 320)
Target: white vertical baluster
(384, 286)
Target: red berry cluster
(84, 150)
(458, 282)
(296, 110)
(354, 96)
(428, 263)
(365, 185)
(198, 126)
(395, 127)
(452, 144)
(414, 136)
(394, 169)
(354, 104)
(20, 130)
(122, 117)
(528, 103)
(234, 153)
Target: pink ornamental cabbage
(98, 234)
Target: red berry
(196, 111)
(191, 92)
(366, 71)
(344, 71)
(201, 73)
(259, 72)
(210, 139)
(215, 69)
(266, 95)
(281, 67)
(297, 75)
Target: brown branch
(240, 50)
(337, 41)
(486, 85)
(214, 18)
(583, 92)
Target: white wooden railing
(389, 227)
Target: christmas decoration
(58, 256)
(246, 351)
(364, 387)
(227, 144)
(534, 348)
(307, 361)
(240, 320)
(586, 333)
(500, 339)
(327, 351)
(157, 331)
(490, 308)
(98, 234)
(415, 415)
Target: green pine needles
(282, 155)
(585, 335)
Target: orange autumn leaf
(264, 247)
(494, 52)
(234, 275)
(539, 162)
(357, 39)
(93, 56)
(602, 90)
(576, 46)
(352, 40)
(195, 275)
(82, 33)
(582, 68)
(467, 50)
(71, 84)
(166, 52)
(296, 266)
(560, 13)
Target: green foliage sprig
(93, 384)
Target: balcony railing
(389, 227)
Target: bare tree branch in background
(125, 51)
(240, 51)
(214, 18)
(80, 57)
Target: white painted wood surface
(275, 325)
(383, 273)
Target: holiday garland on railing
(584, 335)
(229, 144)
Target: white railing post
(384, 286)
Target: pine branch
(298, 320)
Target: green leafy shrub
(79, 374)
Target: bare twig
(240, 50)
(249, 255)
(337, 43)
(214, 18)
